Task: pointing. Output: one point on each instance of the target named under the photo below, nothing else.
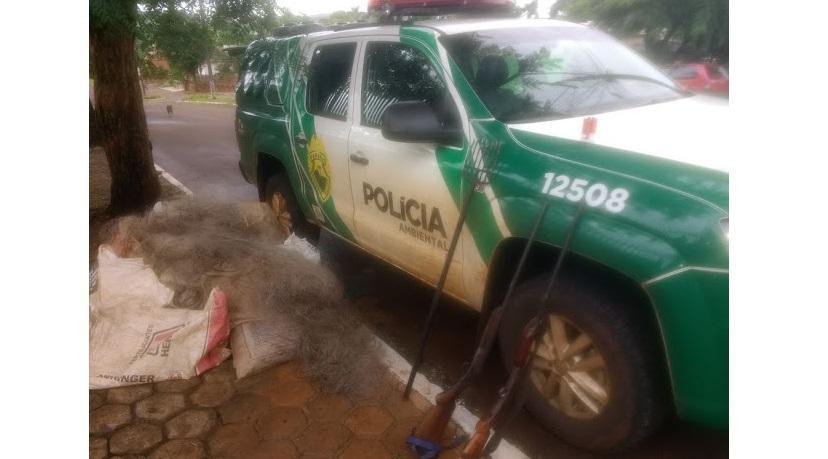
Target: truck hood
(687, 130)
(677, 144)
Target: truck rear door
(320, 125)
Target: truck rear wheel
(279, 196)
(595, 379)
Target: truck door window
(329, 81)
(399, 73)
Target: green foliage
(187, 32)
(182, 38)
(112, 15)
(698, 27)
(238, 22)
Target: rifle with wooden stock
(427, 436)
(513, 393)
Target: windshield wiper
(618, 76)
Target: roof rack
(298, 29)
(436, 8)
(352, 25)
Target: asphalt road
(197, 146)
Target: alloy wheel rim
(569, 371)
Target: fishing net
(194, 246)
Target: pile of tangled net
(194, 246)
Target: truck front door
(403, 208)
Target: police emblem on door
(319, 169)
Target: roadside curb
(173, 181)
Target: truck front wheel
(595, 380)
(279, 196)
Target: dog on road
(169, 110)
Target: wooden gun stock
(437, 418)
(474, 448)
(434, 423)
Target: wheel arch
(267, 165)
(542, 259)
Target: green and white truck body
(654, 186)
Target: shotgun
(430, 431)
(480, 163)
(476, 445)
(479, 442)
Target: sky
(314, 7)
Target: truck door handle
(359, 158)
(300, 139)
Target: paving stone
(129, 394)
(329, 407)
(97, 448)
(287, 390)
(454, 453)
(369, 421)
(108, 418)
(364, 449)
(249, 383)
(289, 370)
(385, 388)
(281, 422)
(401, 409)
(191, 424)
(394, 439)
(322, 438)
(97, 398)
(222, 373)
(177, 385)
(180, 449)
(275, 449)
(160, 407)
(212, 394)
(135, 439)
(244, 408)
(233, 440)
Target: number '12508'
(596, 194)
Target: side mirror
(416, 122)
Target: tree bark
(210, 81)
(122, 123)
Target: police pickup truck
(640, 324)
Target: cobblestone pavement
(276, 414)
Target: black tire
(279, 183)
(637, 403)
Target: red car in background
(705, 77)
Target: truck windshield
(539, 73)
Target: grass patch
(204, 97)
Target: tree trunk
(93, 127)
(210, 81)
(121, 122)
